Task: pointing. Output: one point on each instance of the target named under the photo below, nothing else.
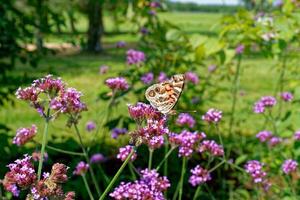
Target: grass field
(81, 71)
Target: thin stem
(116, 175)
(217, 166)
(87, 187)
(197, 192)
(281, 85)
(182, 178)
(131, 168)
(44, 142)
(165, 158)
(235, 87)
(106, 179)
(87, 160)
(220, 139)
(64, 151)
(150, 158)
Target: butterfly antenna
(188, 111)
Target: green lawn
(81, 71)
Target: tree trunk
(96, 26)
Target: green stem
(235, 87)
(87, 160)
(131, 168)
(220, 139)
(183, 168)
(197, 192)
(44, 142)
(116, 175)
(150, 158)
(64, 151)
(106, 179)
(216, 167)
(164, 160)
(281, 85)
(87, 187)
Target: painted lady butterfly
(164, 96)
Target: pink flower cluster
(135, 57)
(212, 116)
(199, 176)
(267, 136)
(287, 96)
(263, 103)
(147, 78)
(150, 186)
(81, 168)
(186, 119)
(23, 135)
(21, 175)
(297, 135)
(162, 77)
(192, 77)
(60, 98)
(212, 147)
(116, 132)
(118, 83)
(255, 169)
(187, 142)
(97, 158)
(124, 153)
(289, 166)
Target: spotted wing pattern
(164, 96)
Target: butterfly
(164, 96)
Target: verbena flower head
(297, 135)
(24, 135)
(70, 196)
(187, 142)
(155, 4)
(97, 158)
(147, 78)
(81, 168)
(212, 116)
(275, 141)
(265, 102)
(199, 176)
(90, 126)
(59, 173)
(212, 147)
(255, 169)
(141, 111)
(36, 155)
(192, 77)
(144, 30)
(118, 83)
(239, 49)
(103, 69)
(21, 175)
(135, 57)
(116, 132)
(124, 153)
(264, 136)
(289, 166)
(150, 186)
(121, 44)
(287, 96)
(162, 77)
(155, 142)
(186, 119)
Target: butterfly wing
(164, 96)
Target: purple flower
(121, 44)
(185, 119)
(287, 96)
(141, 111)
(274, 141)
(97, 158)
(277, 3)
(263, 103)
(212, 68)
(81, 168)
(155, 142)
(263, 136)
(239, 49)
(289, 166)
(192, 77)
(297, 135)
(124, 153)
(212, 147)
(103, 69)
(254, 168)
(90, 126)
(147, 78)
(152, 12)
(187, 142)
(195, 100)
(21, 174)
(23, 135)
(135, 57)
(118, 131)
(144, 31)
(212, 116)
(150, 186)
(118, 83)
(199, 176)
(162, 77)
(155, 4)
(259, 107)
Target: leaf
(241, 159)
(200, 53)
(173, 35)
(229, 55)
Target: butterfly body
(164, 96)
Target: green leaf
(241, 159)
(173, 35)
(200, 53)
